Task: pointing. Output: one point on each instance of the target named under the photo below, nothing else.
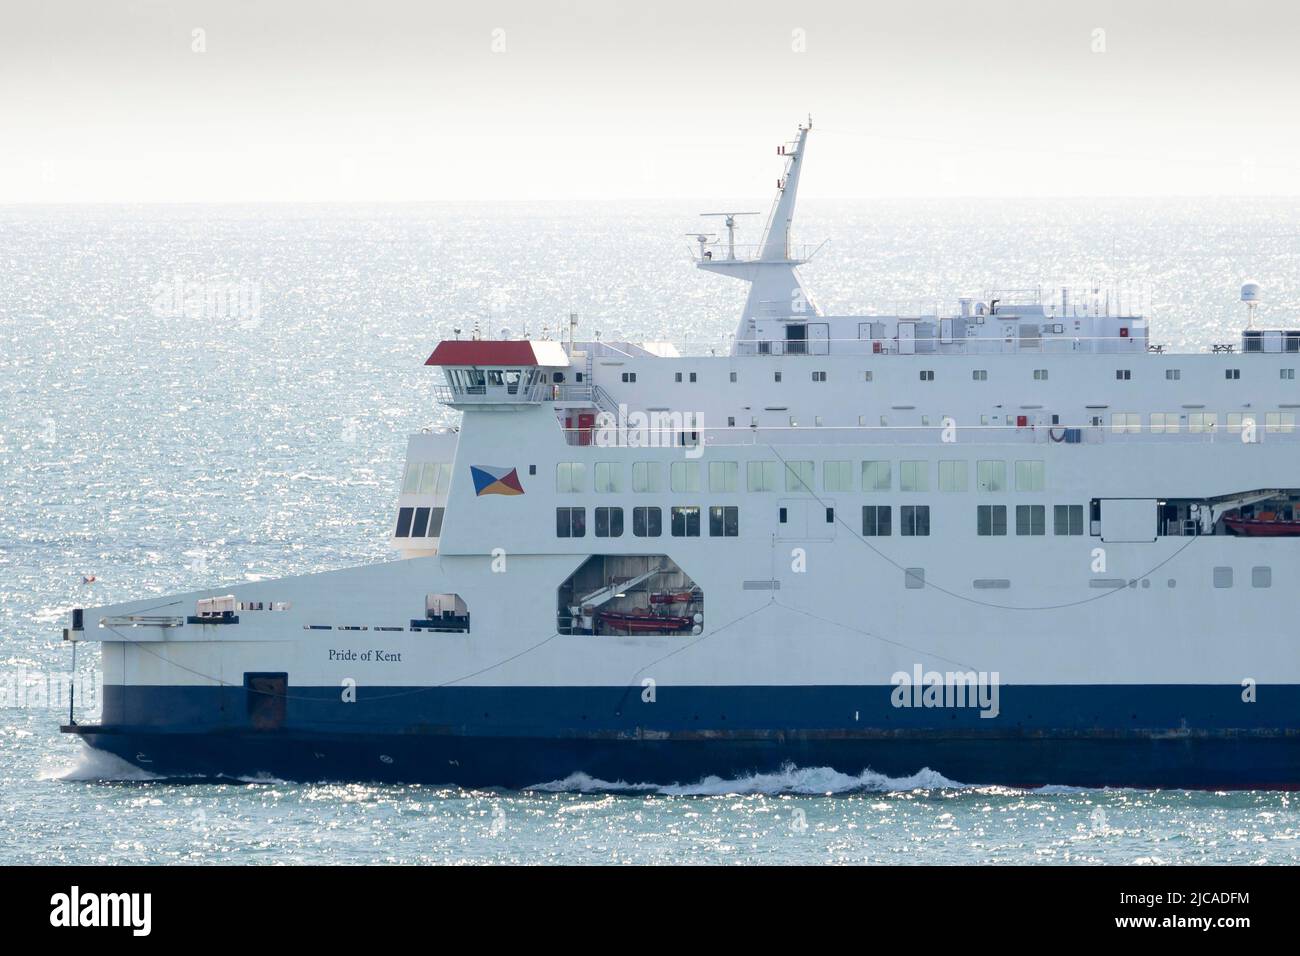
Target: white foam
(91, 764)
(790, 779)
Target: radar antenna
(729, 220)
(703, 239)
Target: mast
(770, 267)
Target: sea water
(194, 396)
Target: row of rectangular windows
(990, 520)
(419, 522)
(982, 375)
(647, 522)
(1198, 422)
(765, 476)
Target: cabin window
(927, 375)
(781, 515)
(1040, 375)
(684, 476)
(609, 522)
(914, 520)
(1126, 422)
(609, 477)
(1286, 373)
(629, 376)
(776, 376)
(798, 476)
(1029, 476)
(733, 376)
(647, 477)
(819, 376)
(685, 521)
(991, 520)
(571, 522)
(693, 377)
(1261, 577)
(913, 476)
(435, 522)
(677, 376)
(866, 376)
(761, 475)
(1223, 577)
(991, 476)
(411, 480)
(980, 375)
(570, 477)
(837, 476)
(420, 523)
(876, 476)
(1173, 374)
(723, 476)
(404, 516)
(1232, 374)
(1279, 422)
(1031, 519)
(647, 522)
(952, 476)
(1164, 422)
(830, 515)
(1067, 519)
(724, 521)
(875, 521)
(1123, 374)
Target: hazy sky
(121, 100)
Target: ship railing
(689, 441)
(750, 252)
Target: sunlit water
(160, 452)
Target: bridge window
(420, 523)
(647, 522)
(435, 521)
(404, 516)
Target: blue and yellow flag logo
(495, 481)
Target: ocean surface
(191, 396)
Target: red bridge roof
(517, 353)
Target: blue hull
(1154, 736)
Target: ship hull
(1132, 736)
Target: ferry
(1009, 541)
